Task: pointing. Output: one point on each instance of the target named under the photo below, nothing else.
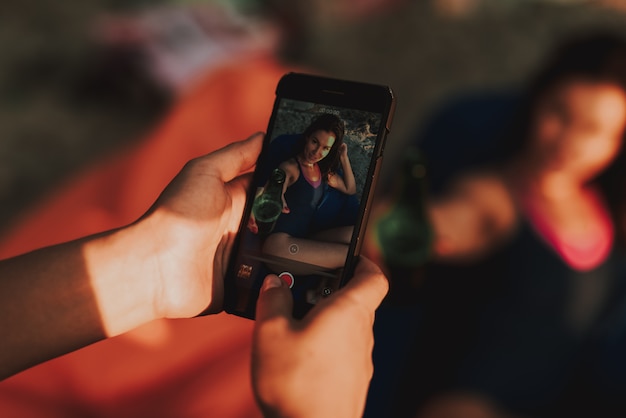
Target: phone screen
(307, 205)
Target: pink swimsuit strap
(314, 184)
(585, 252)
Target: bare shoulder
(290, 167)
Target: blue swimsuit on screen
(302, 199)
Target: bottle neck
(276, 181)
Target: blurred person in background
(525, 264)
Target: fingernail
(272, 281)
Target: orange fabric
(170, 368)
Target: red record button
(287, 278)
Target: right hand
(285, 206)
(322, 364)
(252, 226)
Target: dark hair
(329, 123)
(598, 56)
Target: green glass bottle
(404, 233)
(268, 206)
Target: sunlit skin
(171, 264)
(168, 264)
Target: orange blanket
(169, 368)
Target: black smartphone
(311, 190)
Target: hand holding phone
(319, 162)
(334, 380)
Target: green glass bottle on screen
(268, 206)
(404, 233)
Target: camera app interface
(308, 190)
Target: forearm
(348, 175)
(61, 298)
(170, 264)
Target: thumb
(274, 300)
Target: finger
(238, 189)
(274, 300)
(252, 226)
(235, 158)
(368, 286)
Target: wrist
(124, 275)
(181, 260)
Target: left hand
(193, 224)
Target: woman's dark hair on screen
(329, 123)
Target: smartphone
(311, 191)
